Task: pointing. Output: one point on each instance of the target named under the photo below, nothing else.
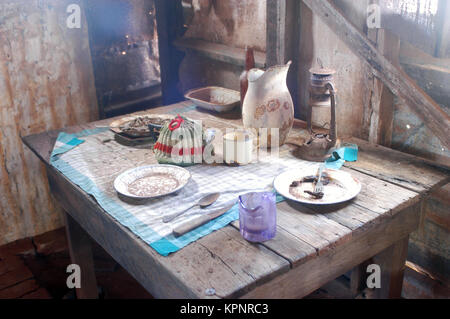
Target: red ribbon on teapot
(176, 123)
(173, 125)
(181, 151)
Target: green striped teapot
(183, 142)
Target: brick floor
(35, 268)
(16, 279)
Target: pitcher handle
(210, 135)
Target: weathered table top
(313, 244)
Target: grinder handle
(333, 129)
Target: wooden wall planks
(243, 24)
(232, 23)
(46, 82)
(317, 40)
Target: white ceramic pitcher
(268, 103)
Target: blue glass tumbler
(258, 216)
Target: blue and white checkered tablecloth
(92, 160)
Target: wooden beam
(219, 52)
(276, 32)
(358, 278)
(381, 105)
(81, 255)
(392, 264)
(283, 37)
(169, 17)
(443, 29)
(393, 77)
(282, 19)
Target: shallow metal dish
(214, 98)
(342, 186)
(117, 125)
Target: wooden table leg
(81, 254)
(358, 278)
(392, 263)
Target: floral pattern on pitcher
(268, 103)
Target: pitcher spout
(277, 72)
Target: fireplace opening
(124, 48)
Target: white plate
(148, 182)
(215, 98)
(342, 186)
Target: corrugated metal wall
(46, 82)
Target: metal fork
(318, 188)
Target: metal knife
(192, 224)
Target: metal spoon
(202, 203)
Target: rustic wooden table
(313, 246)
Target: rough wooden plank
(376, 195)
(169, 20)
(358, 278)
(288, 245)
(392, 264)
(282, 38)
(354, 217)
(9, 263)
(315, 229)
(16, 275)
(373, 204)
(443, 33)
(311, 275)
(81, 255)
(336, 289)
(19, 247)
(219, 52)
(233, 23)
(398, 168)
(299, 237)
(381, 117)
(54, 241)
(276, 32)
(394, 78)
(41, 293)
(250, 264)
(187, 273)
(20, 289)
(418, 284)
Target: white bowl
(214, 98)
